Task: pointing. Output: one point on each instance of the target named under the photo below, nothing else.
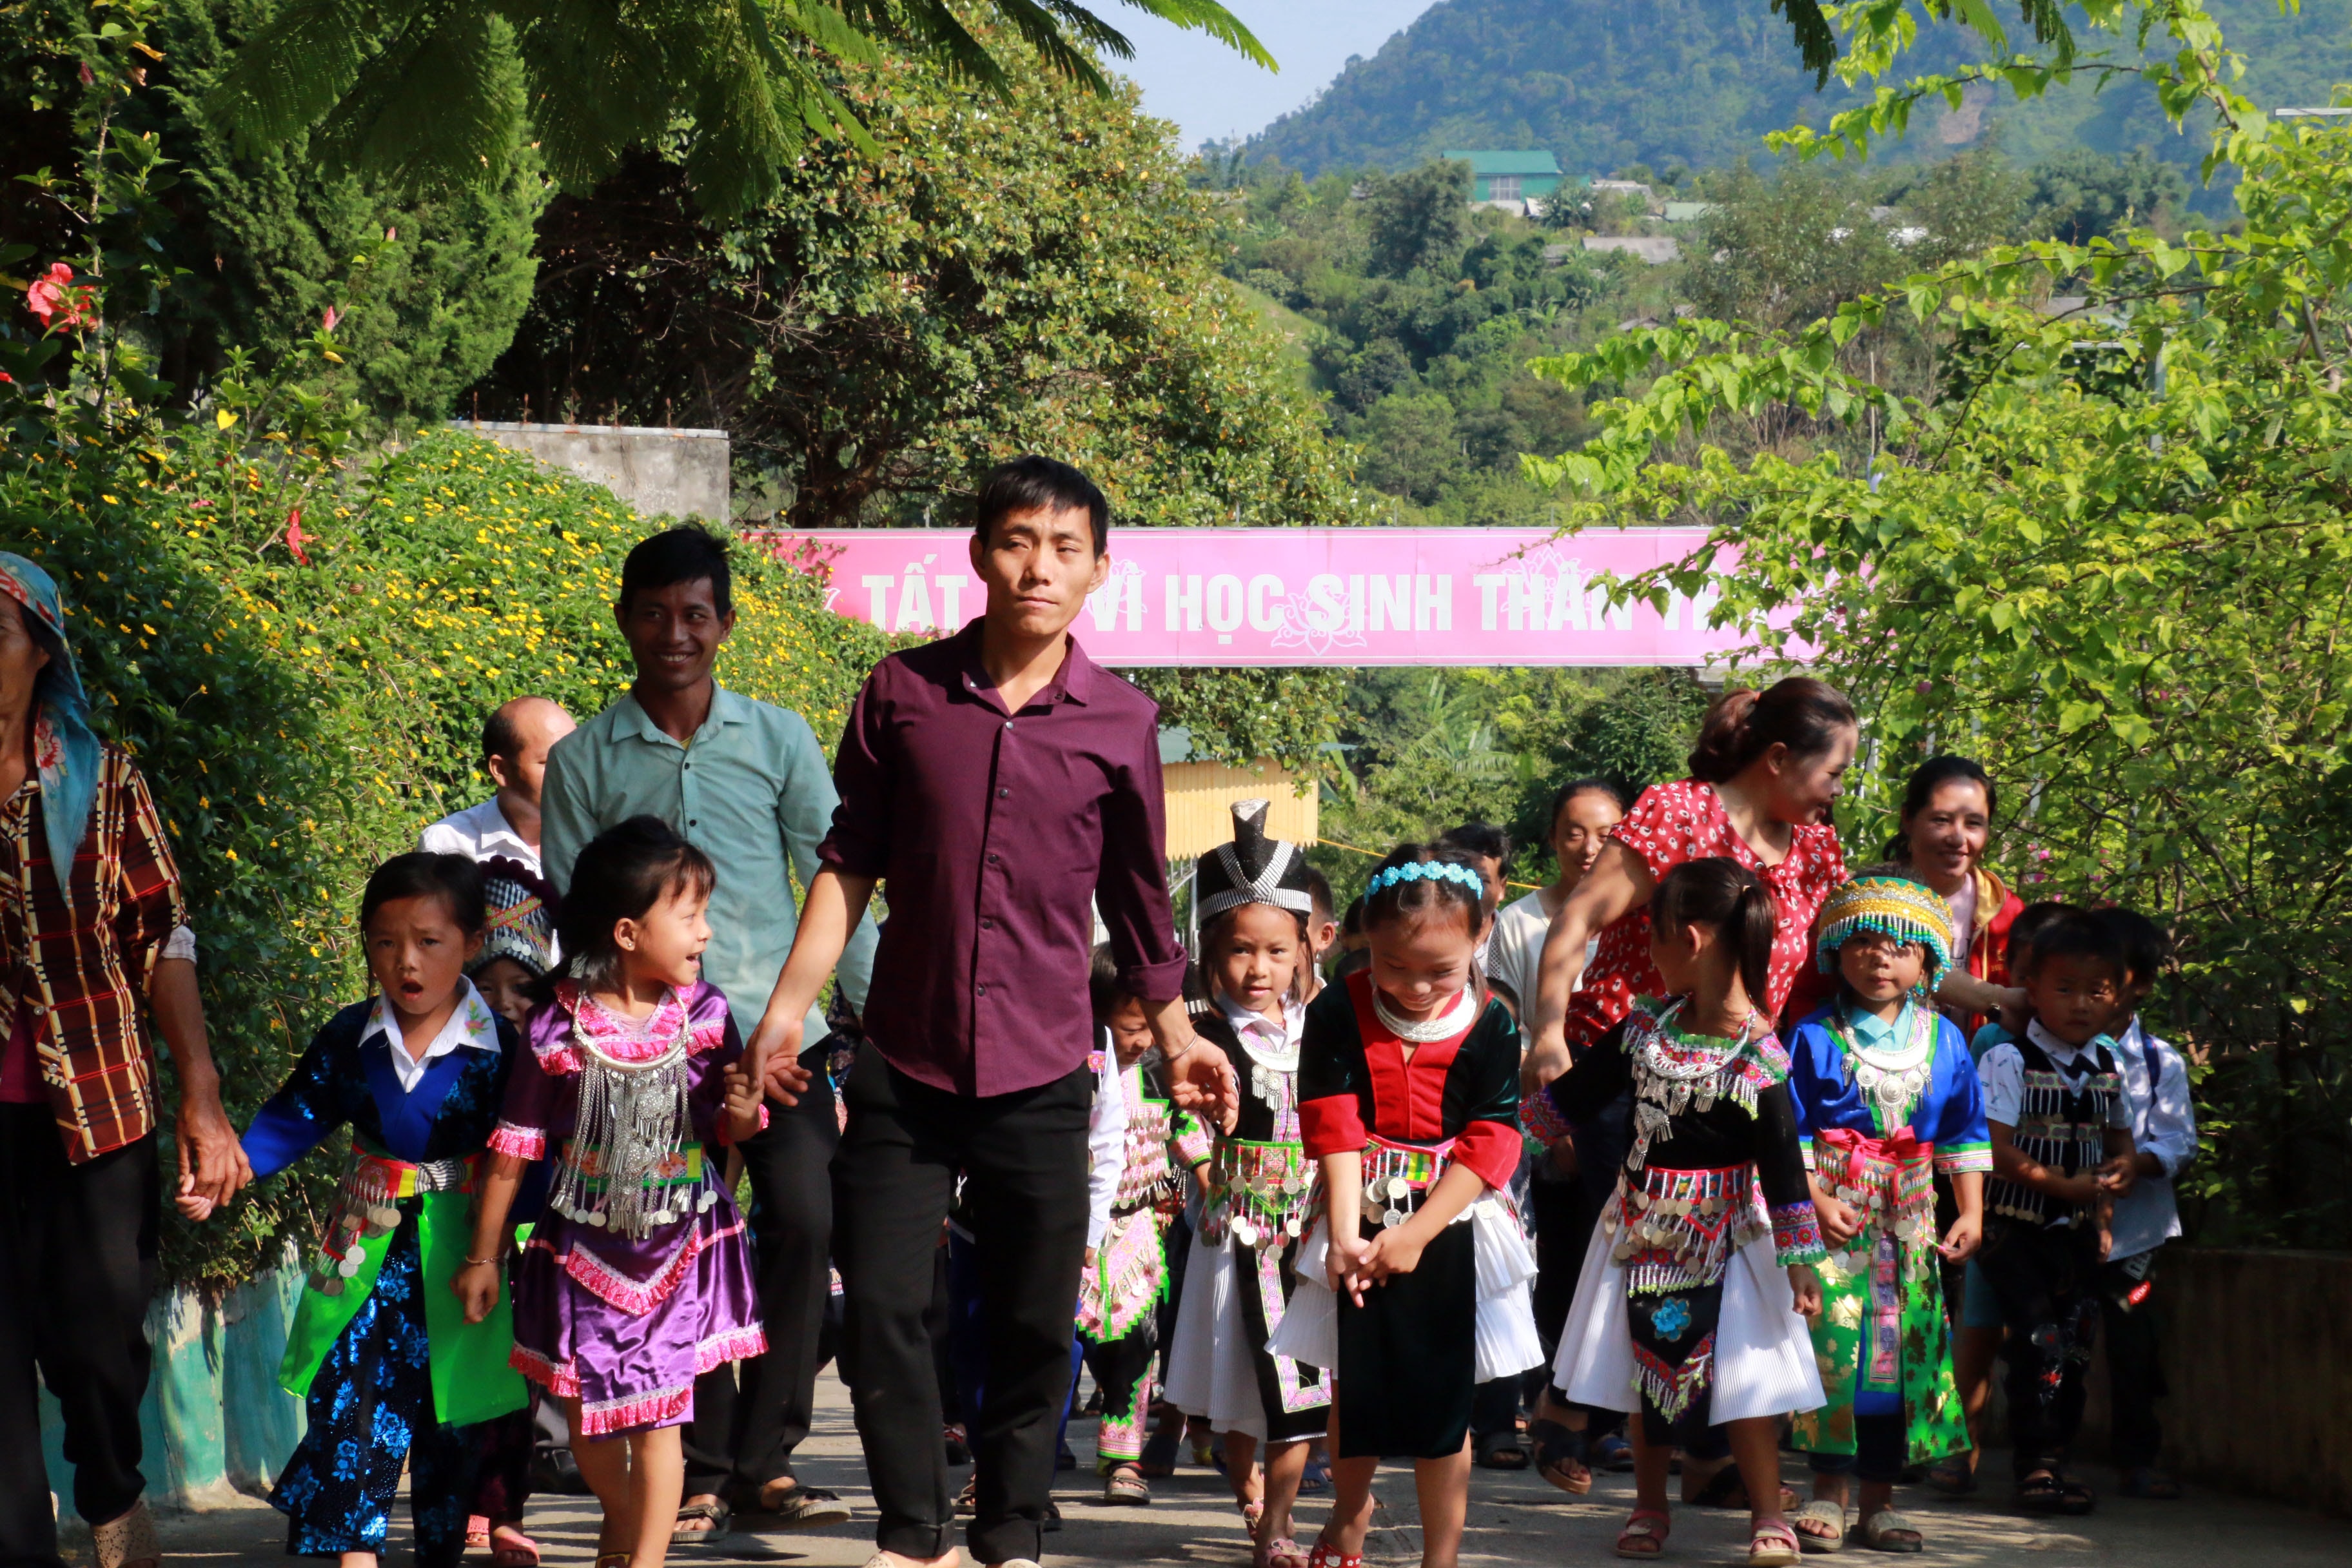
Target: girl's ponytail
(1730, 900)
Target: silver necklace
(1419, 1032)
(1890, 1079)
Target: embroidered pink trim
(560, 1381)
(658, 1408)
(559, 1060)
(735, 1344)
(520, 1142)
(609, 1285)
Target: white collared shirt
(1259, 1033)
(471, 1024)
(479, 832)
(2163, 1123)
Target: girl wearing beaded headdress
(1886, 1100)
(638, 1278)
(1687, 1311)
(1259, 1190)
(1414, 1284)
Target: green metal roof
(1525, 161)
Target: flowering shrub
(301, 722)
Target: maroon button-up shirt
(991, 832)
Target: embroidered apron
(471, 1380)
(1882, 1330)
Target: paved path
(1514, 1520)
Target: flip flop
(720, 1515)
(1875, 1530)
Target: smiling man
(747, 784)
(995, 782)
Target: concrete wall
(682, 473)
(2258, 1357)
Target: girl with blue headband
(1413, 1286)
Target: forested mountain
(1604, 84)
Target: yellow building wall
(1201, 798)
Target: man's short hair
(499, 737)
(682, 554)
(1033, 484)
(1483, 839)
(1318, 892)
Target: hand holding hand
(744, 1092)
(476, 1286)
(1343, 1266)
(778, 1045)
(1807, 1287)
(212, 1161)
(192, 1207)
(1960, 1242)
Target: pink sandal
(1773, 1543)
(1282, 1551)
(1644, 1535)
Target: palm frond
(443, 106)
(287, 75)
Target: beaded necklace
(1448, 1023)
(1673, 1071)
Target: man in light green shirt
(748, 785)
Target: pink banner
(1257, 596)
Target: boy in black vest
(2061, 1151)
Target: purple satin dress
(626, 1325)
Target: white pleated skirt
(1506, 1323)
(1763, 1351)
(1210, 1373)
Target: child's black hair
(1413, 899)
(2079, 934)
(2018, 953)
(1318, 888)
(623, 873)
(2146, 946)
(454, 879)
(1104, 992)
(1729, 899)
(1483, 839)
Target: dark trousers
(2047, 1281)
(2135, 1371)
(76, 1268)
(1880, 1451)
(749, 1416)
(1023, 1159)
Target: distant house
(1654, 248)
(1516, 176)
(1688, 211)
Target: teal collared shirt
(753, 792)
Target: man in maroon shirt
(1002, 786)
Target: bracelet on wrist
(479, 1262)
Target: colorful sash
(1678, 1229)
(1263, 1195)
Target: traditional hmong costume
(1261, 1191)
(638, 1280)
(1119, 1298)
(1881, 1111)
(391, 1372)
(1416, 1098)
(2040, 1255)
(1683, 1310)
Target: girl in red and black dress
(1408, 1084)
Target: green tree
(1420, 219)
(2115, 578)
(2081, 195)
(1411, 446)
(420, 90)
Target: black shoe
(1053, 1519)
(1093, 1405)
(1064, 1460)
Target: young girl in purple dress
(639, 1277)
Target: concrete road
(1515, 1519)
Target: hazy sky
(1211, 91)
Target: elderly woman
(91, 925)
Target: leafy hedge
(301, 718)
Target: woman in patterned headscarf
(91, 925)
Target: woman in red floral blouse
(1764, 774)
